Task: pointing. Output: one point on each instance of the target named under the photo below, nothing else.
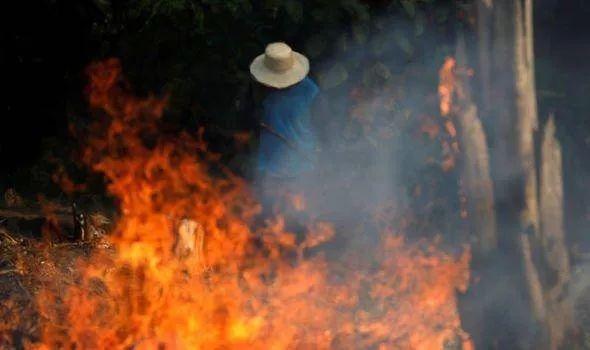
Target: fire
(255, 286)
(446, 86)
(447, 90)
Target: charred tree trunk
(476, 180)
(505, 53)
(475, 165)
(190, 241)
(560, 312)
(551, 194)
(484, 48)
(515, 115)
(526, 126)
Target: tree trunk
(560, 313)
(476, 180)
(526, 111)
(515, 111)
(551, 193)
(526, 125)
(506, 54)
(190, 240)
(475, 165)
(484, 48)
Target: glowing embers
(446, 86)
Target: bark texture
(475, 166)
(476, 180)
(530, 214)
(560, 310)
(551, 194)
(484, 42)
(190, 241)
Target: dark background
(48, 44)
(198, 52)
(177, 47)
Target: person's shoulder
(309, 87)
(310, 83)
(306, 89)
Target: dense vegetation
(198, 52)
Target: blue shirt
(287, 113)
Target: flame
(447, 90)
(255, 286)
(446, 86)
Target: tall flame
(446, 86)
(256, 286)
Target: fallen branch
(8, 237)
(62, 214)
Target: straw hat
(279, 67)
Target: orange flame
(447, 90)
(446, 86)
(258, 287)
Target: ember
(254, 286)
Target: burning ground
(253, 281)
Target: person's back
(288, 141)
(287, 147)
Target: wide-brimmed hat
(279, 67)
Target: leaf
(442, 15)
(409, 7)
(199, 17)
(172, 6)
(419, 24)
(103, 5)
(356, 9)
(246, 7)
(403, 43)
(378, 45)
(376, 75)
(342, 42)
(333, 77)
(315, 46)
(359, 33)
(295, 10)
(318, 14)
(382, 71)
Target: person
(288, 144)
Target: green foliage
(198, 51)
(375, 60)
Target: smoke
(375, 98)
(375, 154)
